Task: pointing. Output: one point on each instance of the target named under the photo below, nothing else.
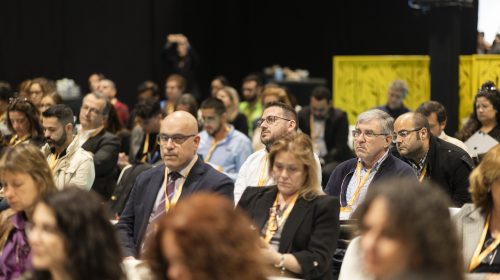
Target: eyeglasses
(270, 120)
(368, 134)
(90, 109)
(178, 139)
(404, 133)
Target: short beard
(61, 141)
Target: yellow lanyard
(274, 222)
(360, 183)
(15, 140)
(311, 125)
(145, 148)
(478, 255)
(422, 174)
(263, 167)
(52, 160)
(177, 193)
(211, 150)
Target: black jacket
(336, 133)
(310, 232)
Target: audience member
(482, 46)
(48, 100)
(156, 189)
(328, 128)
(217, 84)
(25, 176)
(251, 106)
(351, 179)
(298, 222)
(271, 93)
(406, 234)
(495, 47)
(478, 224)
(71, 238)
(6, 94)
(180, 58)
(70, 164)
(484, 118)
(94, 138)
(23, 90)
(175, 86)
(278, 120)
(187, 103)
(436, 116)
(205, 238)
(108, 88)
(396, 94)
(94, 80)
(148, 90)
(114, 126)
(38, 88)
(24, 123)
(223, 147)
(229, 97)
(432, 158)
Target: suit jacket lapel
(292, 224)
(153, 188)
(192, 179)
(262, 207)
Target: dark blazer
(134, 219)
(391, 167)
(310, 232)
(105, 146)
(336, 133)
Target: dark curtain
(123, 39)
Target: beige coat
(75, 168)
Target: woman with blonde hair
(478, 223)
(229, 96)
(299, 225)
(26, 176)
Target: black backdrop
(123, 39)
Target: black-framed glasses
(270, 120)
(367, 133)
(178, 139)
(404, 133)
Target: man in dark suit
(179, 140)
(328, 128)
(94, 138)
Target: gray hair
(385, 120)
(400, 86)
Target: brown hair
(300, 145)
(181, 81)
(216, 241)
(233, 109)
(276, 91)
(32, 114)
(482, 178)
(418, 215)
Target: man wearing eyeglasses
(158, 189)
(373, 163)
(93, 137)
(433, 158)
(278, 120)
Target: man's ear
(68, 127)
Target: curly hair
(419, 217)
(26, 107)
(300, 145)
(482, 177)
(216, 241)
(90, 243)
(490, 92)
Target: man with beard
(432, 158)
(328, 128)
(220, 144)
(374, 163)
(70, 164)
(251, 107)
(278, 120)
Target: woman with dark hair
(479, 223)
(49, 99)
(203, 237)
(485, 116)
(188, 103)
(217, 83)
(23, 120)
(298, 222)
(26, 176)
(71, 238)
(406, 233)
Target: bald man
(156, 190)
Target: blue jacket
(391, 167)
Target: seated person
(298, 222)
(403, 237)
